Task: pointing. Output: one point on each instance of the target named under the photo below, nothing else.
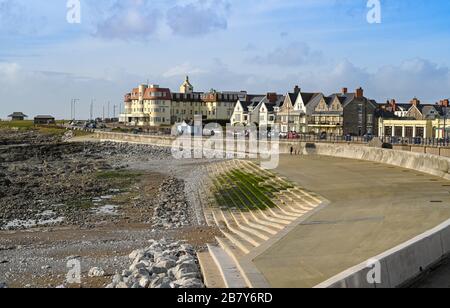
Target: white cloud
(198, 18)
(8, 71)
(293, 54)
(129, 20)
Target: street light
(92, 109)
(444, 109)
(73, 105)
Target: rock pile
(171, 209)
(163, 264)
(67, 136)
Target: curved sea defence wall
(426, 163)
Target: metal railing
(438, 142)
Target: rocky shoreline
(55, 184)
(120, 196)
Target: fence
(437, 142)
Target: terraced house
(292, 116)
(257, 109)
(338, 114)
(153, 106)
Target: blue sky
(254, 45)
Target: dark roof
(405, 106)
(272, 105)
(245, 105)
(44, 117)
(18, 114)
(307, 97)
(293, 97)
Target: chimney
(415, 101)
(359, 93)
(297, 89)
(445, 103)
(272, 97)
(344, 91)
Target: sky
(229, 45)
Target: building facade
(339, 114)
(257, 109)
(419, 121)
(154, 106)
(148, 105)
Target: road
(373, 208)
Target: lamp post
(445, 125)
(73, 103)
(92, 109)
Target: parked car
(283, 135)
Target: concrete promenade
(373, 208)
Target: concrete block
(418, 149)
(445, 238)
(414, 257)
(432, 151)
(445, 152)
(359, 280)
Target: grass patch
(28, 125)
(81, 133)
(246, 190)
(21, 125)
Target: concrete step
(246, 227)
(236, 255)
(211, 271)
(251, 222)
(243, 247)
(260, 219)
(227, 267)
(285, 208)
(294, 207)
(209, 217)
(269, 216)
(241, 233)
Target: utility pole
(115, 106)
(109, 109)
(445, 124)
(73, 103)
(92, 109)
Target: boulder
(167, 264)
(144, 282)
(186, 270)
(189, 283)
(96, 272)
(161, 283)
